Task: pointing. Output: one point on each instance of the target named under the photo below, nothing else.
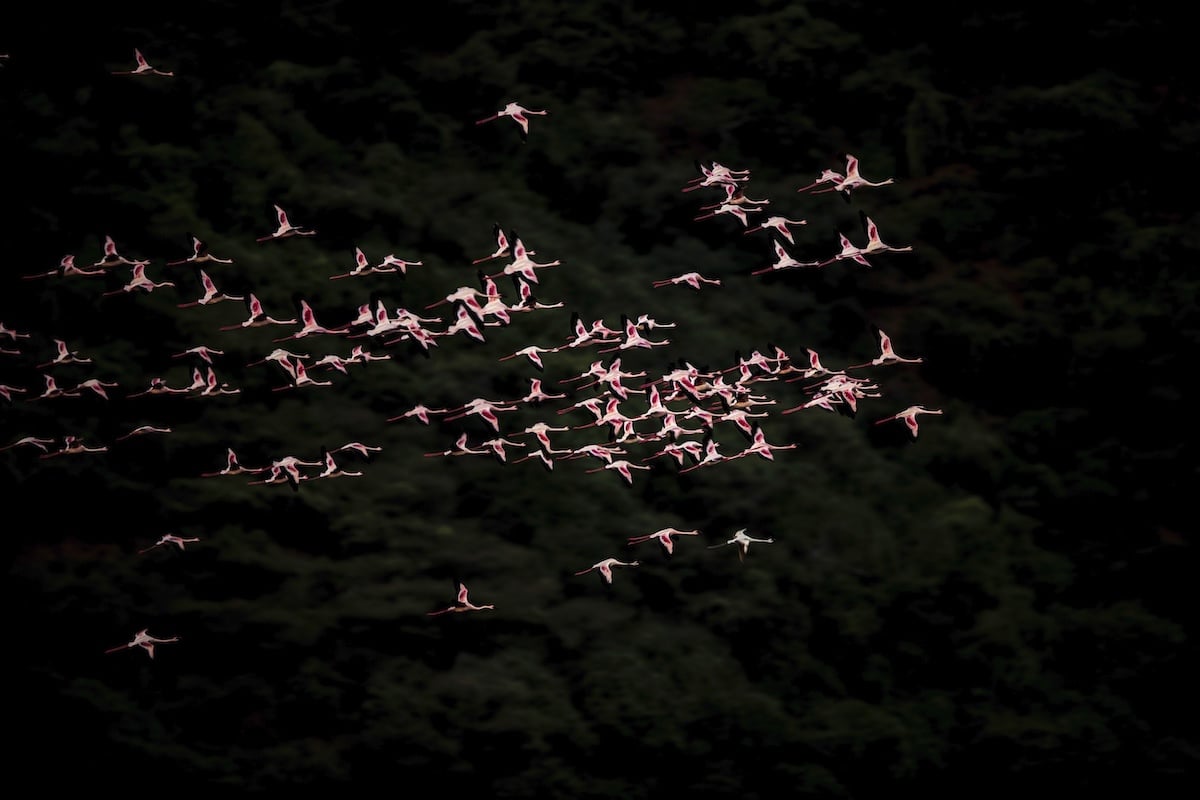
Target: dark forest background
(1005, 602)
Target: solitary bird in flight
(519, 114)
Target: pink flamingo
(419, 411)
(258, 317)
(309, 325)
(780, 224)
(692, 279)
(142, 430)
(784, 260)
(66, 266)
(200, 254)
(461, 449)
(170, 538)
(518, 113)
(204, 352)
(663, 536)
(285, 228)
(7, 391)
(65, 355)
(605, 568)
(743, 542)
(461, 603)
(909, 416)
(886, 354)
(233, 467)
(144, 640)
(112, 258)
(32, 441)
(143, 67)
(139, 281)
(211, 295)
(760, 447)
(622, 466)
(533, 353)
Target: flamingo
(66, 266)
(886, 354)
(7, 391)
(622, 466)
(309, 325)
(213, 387)
(692, 279)
(484, 408)
(466, 321)
(852, 180)
(518, 113)
(12, 333)
(365, 450)
(200, 254)
(602, 452)
(159, 386)
(537, 394)
(605, 568)
(143, 68)
(419, 411)
(142, 430)
(503, 247)
(144, 640)
(649, 323)
(461, 449)
(233, 467)
(743, 541)
(204, 352)
(826, 176)
(73, 445)
(874, 243)
(497, 444)
(711, 455)
(533, 353)
(286, 473)
(634, 338)
(735, 194)
(664, 536)
(736, 209)
(849, 251)
(212, 295)
(285, 229)
(258, 317)
(779, 224)
(139, 281)
(528, 302)
(112, 258)
(331, 469)
(32, 441)
(909, 416)
(360, 355)
(541, 431)
(51, 391)
(679, 451)
(170, 538)
(93, 384)
(716, 175)
(461, 603)
(522, 264)
(301, 378)
(547, 461)
(760, 447)
(784, 260)
(65, 355)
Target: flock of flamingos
(672, 415)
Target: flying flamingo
(139, 281)
(605, 568)
(909, 416)
(301, 378)
(233, 467)
(461, 449)
(12, 333)
(257, 318)
(7, 391)
(874, 243)
(622, 466)
(143, 68)
(65, 356)
(204, 352)
(716, 175)
(93, 384)
(484, 408)
(663, 536)
(849, 251)
(735, 194)
(392, 263)
(634, 338)
(760, 447)
(518, 113)
(285, 229)
(886, 354)
(66, 266)
(461, 603)
(331, 469)
(281, 473)
(73, 445)
(51, 391)
(309, 325)
(537, 395)
(144, 640)
(692, 279)
(852, 180)
(112, 258)
(33, 441)
(784, 260)
(365, 450)
(214, 387)
(736, 209)
(533, 353)
(142, 430)
(212, 294)
(743, 541)
(547, 461)
(711, 455)
(826, 176)
(541, 431)
(419, 411)
(522, 264)
(503, 246)
(159, 386)
(200, 254)
(170, 538)
(778, 223)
